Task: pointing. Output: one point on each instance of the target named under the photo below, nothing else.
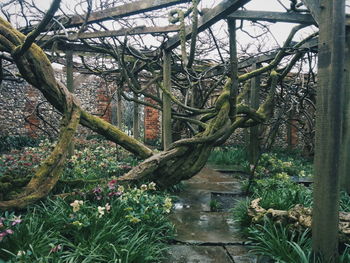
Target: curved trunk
(183, 160)
(49, 171)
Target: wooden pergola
(332, 160)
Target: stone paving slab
(197, 254)
(227, 168)
(206, 227)
(240, 254)
(193, 200)
(226, 186)
(210, 176)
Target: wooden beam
(121, 32)
(124, 10)
(114, 12)
(312, 44)
(273, 17)
(209, 18)
(314, 8)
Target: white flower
(76, 205)
(21, 253)
(152, 186)
(101, 211)
(108, 207)
(143, 187)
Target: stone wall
(24, 111)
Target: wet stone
(206, 227)
(223, 201)
(193, 200)
(196, 254)
(240, 254)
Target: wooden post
(254, 147)
(136, 119)
(233, 74)
(345, 152)
(330, 94)
(166, 114)
(119, 109)
(70, 87)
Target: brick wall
(152, 124)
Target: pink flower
(97, 190)
(9, 231)
(16, 220)
(5, 233)
(111, 184)
(111, 194)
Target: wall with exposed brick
(152, 124)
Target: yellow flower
(76, 205)
(77, 223)
(287, 164)
(167, 204)
(302, 173)
(121, 188)
(134, 220)
(283, 176)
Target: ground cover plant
(229, 155)
(274, 183)
(97, 221)
(93, 160)
(110, 223)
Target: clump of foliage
(110, 223)
(280, 165)
(233, 155)
(281, 244)
(98, 160)
(277, 190)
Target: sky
(279, 31)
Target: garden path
(204, 235)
